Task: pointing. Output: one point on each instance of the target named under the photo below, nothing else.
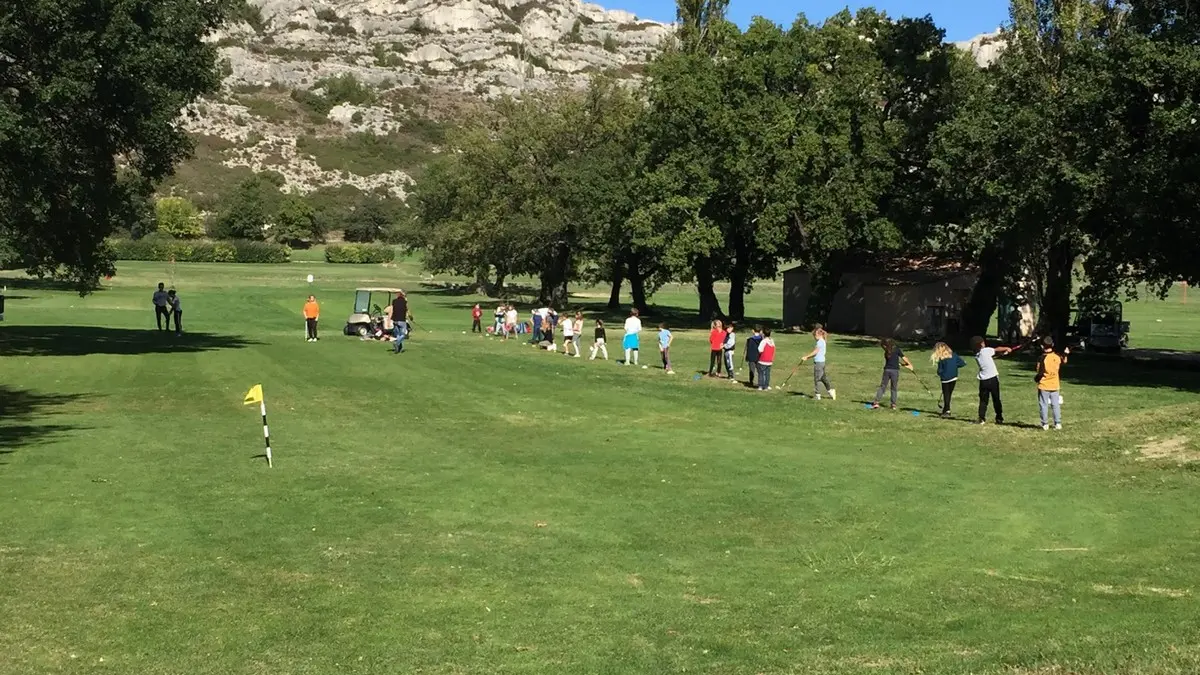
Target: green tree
(89, 98)
(297, 223)
(178, 217)
(248, 211)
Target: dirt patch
(691, 597)
(1174, 449)
(634, 580)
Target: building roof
(901, 269)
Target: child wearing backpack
(766, 359)
(947, 363)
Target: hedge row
(359, 253)
(235, 251)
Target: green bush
(161, 249)
(359, 254)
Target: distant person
(820, 376)
(312, 314)
(665, 338)
(510, 321)
(476, 317)
(176, 306)
(989, 378)
(632, 341)
(498, 315)
(766, 359)
(162, 310)
(716, 341)
(948, 364)
(400, 319)
(752, 349)
(1049, 383)
(893, 359)
(568, 331)
(728, 346)
(578, 328)
(598, 341)
(548, 332)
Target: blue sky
(961, 19)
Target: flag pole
(262, 405)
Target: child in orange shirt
(312, 312)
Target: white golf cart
(369, 304)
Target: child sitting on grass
(947, 363)
(893, 358)
(1048, 382)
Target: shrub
(178, 217)
(610, 43)
(162, 249)
(359, 254)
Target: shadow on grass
(35, 284)
(22, 414)
(1095, 370)
(83, 340)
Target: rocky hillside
(354, 95)
(338, 93)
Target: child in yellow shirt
(1049, 383)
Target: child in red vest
(476, 315)
(766, 358)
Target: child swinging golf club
(947, 363)
(989, 378)
(893, 359)
(818, 357)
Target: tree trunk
(497, 289)
(710, 306)
(637, 287)
(618, 279)
(1055, 311)
(554, 279)
(977, 315)
(737, 290)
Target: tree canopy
(89, 101)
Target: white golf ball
(464, 332)
(645, 367)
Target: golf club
(789, 377)
(929, 391)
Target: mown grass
(476, 506)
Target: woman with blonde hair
(947, 363)
(818, 357)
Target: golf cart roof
(378, 290)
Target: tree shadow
(1095, 370)
(21, 413)
(36, 284)
(83, 340)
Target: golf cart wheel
(362, 331)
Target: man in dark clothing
(400, 317)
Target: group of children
(948, 364)
(759, 356)
(761, 350)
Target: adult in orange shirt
(312, 313)
(1049, 383)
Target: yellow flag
(254, 396)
